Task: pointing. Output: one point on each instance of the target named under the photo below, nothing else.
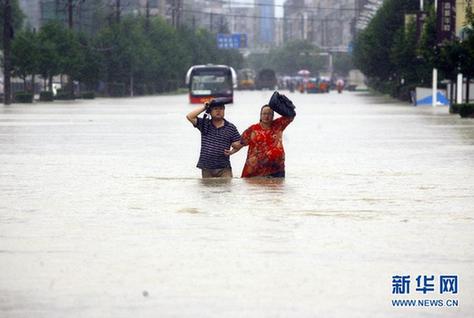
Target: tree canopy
(133, 54)
(395, 59)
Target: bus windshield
(211, 84)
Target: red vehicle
(209, 81)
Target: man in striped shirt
(217, 135)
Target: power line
(255, 16)
(285, 6)
(127, 5)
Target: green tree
(290, 58)
(172, 54)
(91, 70)
(409, 68)
(343, 63)
(134, 55)
(49, 64)
(257, 61)
(128, 52)
(450, 57)
(373, 47)
(467, 61)
(17, 18)
(296, 55)
(428, 47)
(25, 55)
(59, 52)
(200, 45)
(71, 58)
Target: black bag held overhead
(217, 102)
(282, 105)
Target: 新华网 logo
(425, 285)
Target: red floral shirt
(265, 154)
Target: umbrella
(303, 72)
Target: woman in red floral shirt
(266, 156)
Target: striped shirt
(213, 143)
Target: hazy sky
(278, 10)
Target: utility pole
(210, 22)
(312, 28)
(435, 70)
(178, 13)
(7, 36)
(173, 13)
(70, 14)
(147, 15)
(56, 8)
(302, 27)
(79, 15)
(117, 11)
(324, 32)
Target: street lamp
(459, 96)
(435, 71)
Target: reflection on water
(269, 183)
(216, 182)
(189, 210)
(95, 216)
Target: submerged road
(103, 212)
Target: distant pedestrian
(266, 156)
(217, 135)
(340, 85)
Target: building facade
(243, 20)
(88, 16)
(210, 15)
(225, 17)
(256, 20)
(32, 11)
(325, 23)
(461, 6)
(266, 14)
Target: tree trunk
(451, 93)
(468, 84)
(71, 88)
(50, 83)
(33, 83)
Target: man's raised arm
(193, 115)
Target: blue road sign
(350, 47)
(231, 41)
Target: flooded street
(103, 212)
